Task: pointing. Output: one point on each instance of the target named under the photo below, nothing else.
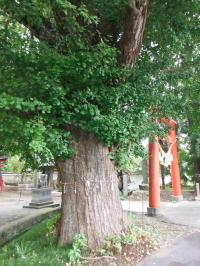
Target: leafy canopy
(59, 68)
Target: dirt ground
(157, 234)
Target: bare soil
(157, 234)
(130, 255)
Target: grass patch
(37, 246)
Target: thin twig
(98, 258)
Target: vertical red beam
(175, 174)
(154, 179)
(2, 161)
(1, 181)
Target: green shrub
(79, 248)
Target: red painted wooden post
(2, 161)
(175, 174)
(154, 179)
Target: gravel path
(162, 232)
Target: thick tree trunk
(193, 151)
(165, 146)
(90, 201)
(197, 169)
(120, 180)
(162, 168)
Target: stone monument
(41, 195)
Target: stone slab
(41, 206)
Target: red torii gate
(154, 170)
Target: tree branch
(128, 45)
(132, 38)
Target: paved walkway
(184, 212)
(11, 206)
(184, 252)
(14, 219)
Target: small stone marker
(125, 185)
(198, 192)
(145, 175)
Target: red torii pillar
(154, 179)
(154, 171)
(2, 161)
(175, 174)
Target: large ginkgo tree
(78, 83)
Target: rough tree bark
(193, 151)
(197, 169)
(90, 199)
(162, 168)
(134, 26)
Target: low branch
(98, 258)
